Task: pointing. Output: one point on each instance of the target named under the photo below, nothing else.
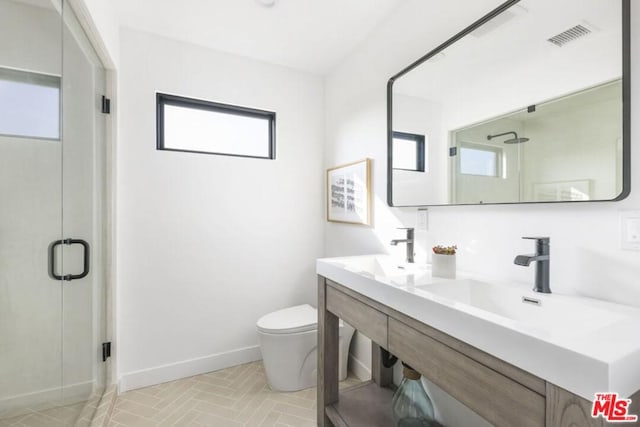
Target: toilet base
(291, 360)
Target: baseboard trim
(187, 368)
(359, 369)
(58, 396)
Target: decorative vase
(443, 266)
(411, 404)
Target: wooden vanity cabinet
(499, 392)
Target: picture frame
(349, 193)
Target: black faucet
(542, 266)
(408, 241)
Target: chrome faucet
(542, 267)
(409, 241)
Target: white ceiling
(311, 35)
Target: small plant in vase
(444, 261)
(445, 250)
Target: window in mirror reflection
(480, 160)
(409, 151)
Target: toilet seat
(301, 318)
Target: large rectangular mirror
(528, 104)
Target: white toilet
(288, 341)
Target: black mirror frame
(626, 106)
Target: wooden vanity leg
(379, 374)
(328, 341)
(565, 409)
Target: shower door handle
(52, 259)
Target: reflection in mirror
(525, 108)
(408, 151)
(562, 150)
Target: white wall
(586, 254)
(101, 16)
(207, 244)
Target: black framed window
(409, 151)
(197, 126)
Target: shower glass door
(30, 205)
(51, 216)
(83, 195)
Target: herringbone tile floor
(237, 396)
(62, 416)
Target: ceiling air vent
(570, 35)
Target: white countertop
(583, 345)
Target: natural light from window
(409, 152)
(478, 161)
(404, 154)
(29, 105)
(193, 129)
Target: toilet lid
(301, 318)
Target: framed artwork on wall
(349, 193)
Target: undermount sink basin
(580, 344)
(547, 315)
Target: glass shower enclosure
(52, 216)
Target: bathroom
(189, 250)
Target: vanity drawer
(361, 316)
(498, 399)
